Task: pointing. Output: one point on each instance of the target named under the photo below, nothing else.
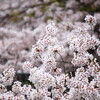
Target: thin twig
(63, 63)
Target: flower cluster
(41, 79)
(90, 20)
(27, 66)
(80, 40)
(6, 78)
(50, 82)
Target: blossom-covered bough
(48, 81)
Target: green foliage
(44, 8)
(30, 15)
(89, 8)
(14, 16)
(48, 17)
(53, 0)
(62, 3)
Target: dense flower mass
(6, 78)
(64, 58)
(41, 79)
(27, 66)
(52, 83)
